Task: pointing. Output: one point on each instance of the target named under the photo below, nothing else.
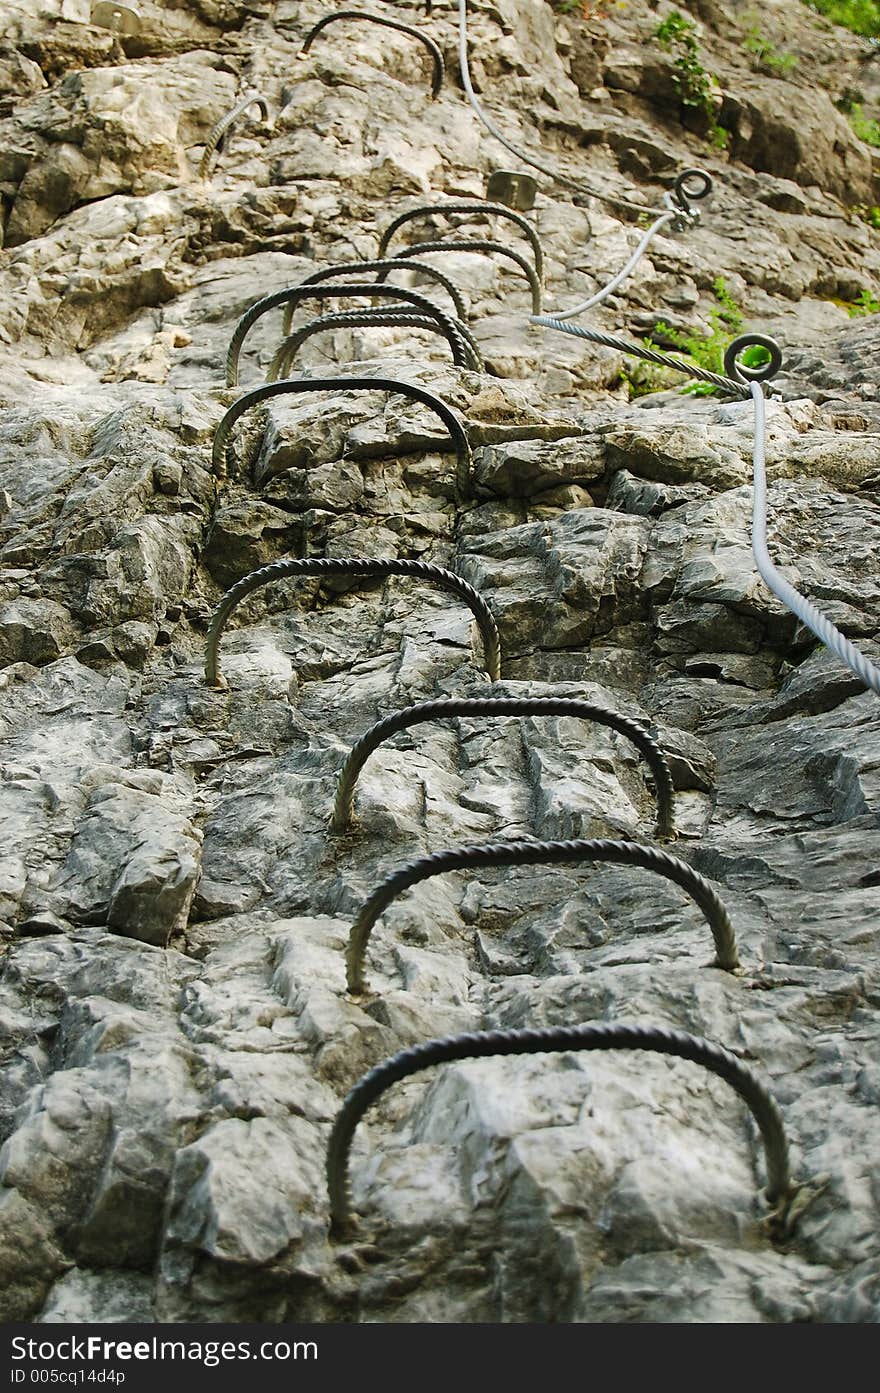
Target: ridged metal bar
(295, 293)
(534, 853)
(218, 133)
(462, 354)
(357, 566)
(505, 706)
(435, 52)
(222, 452)
(358, 268)
(489, 248)
(489, 1043)
(475, 207)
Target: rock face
(175, 1033)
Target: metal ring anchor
(218, 134)
(534, 853)
(295, 293)
(477, 244)
(430, 45)
(368, 569)
(344, 384)
(761, 373)
(282, 363)
(476, 207)
(504, 706)
(684, 191)
(356, 268)
(486, 1044)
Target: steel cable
(799, 605)
(294, 294)
(462, 353)
(365, 568)
(649, 355)
(477, 244)
(475, 208)
(535, 853)
(575, 185)
(219, 131)
(423, 38)
(622, 274)
(505, 706)
(222, 451)
(487, 1044)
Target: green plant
(694, 85)
(861, 16)
(864, 126)
(707, 350)
(767, 56)
(865, 304)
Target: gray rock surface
(175, 1033)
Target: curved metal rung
(355, 268)
(361, 567)
(218, 134)
(344, 384)
(294, 294)
(282, 363)
(436, 54)
(780, 1190)
(534, 853)
(477, 244)
(473, 206)
(505, 706)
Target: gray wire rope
(504, 706)
(423, 38)
(575, 185)
(535, 853)
(489, 1043)
(621, 276)
(215, 139)
(807, 612)
(295, 293)
(475, 207)
(363, 567)
(354, 268)
(222, 453)
(478, 244)
(462, 354)
(649, 355)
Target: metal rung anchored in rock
(780, 1189)
(222, 455)
(365, 17)
(294, 294)
(362, 568)
(476, 208)
(462, 353)
(487, 248)
(217, 138)
(505, 706)
(536, 853)
(360, 268)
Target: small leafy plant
(864, 305)
(707, 350)
(766, 55)
(865, 127)
(694, 85)
(861, 16)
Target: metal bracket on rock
(122, 19)
(513, 188)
